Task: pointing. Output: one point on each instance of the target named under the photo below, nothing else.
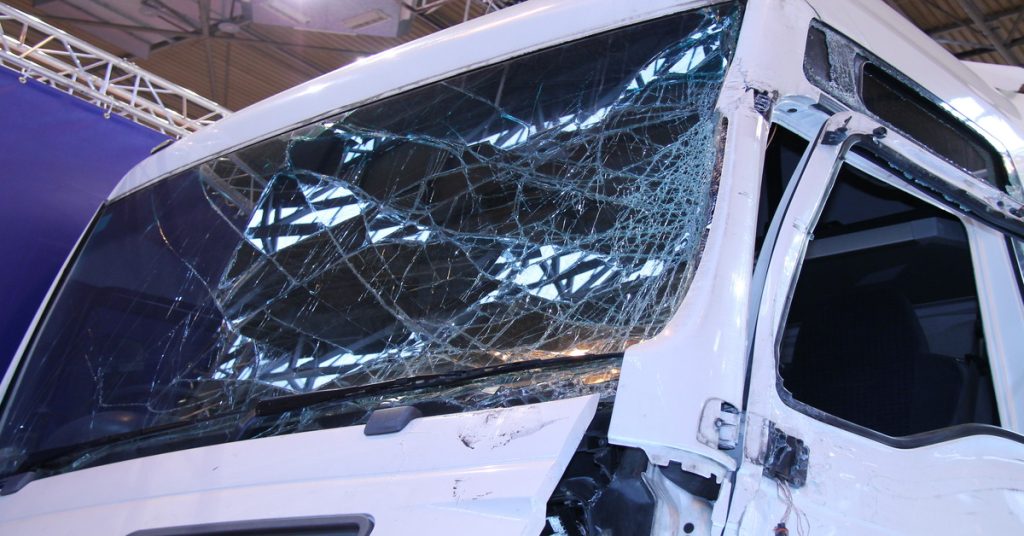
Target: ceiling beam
(283, 55)
(974, 52)
(959, 42)
(976, 15)
(122, 27)
(990, 18)
(204, 23)
(196, 35)
(436, 25)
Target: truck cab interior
(884, 328)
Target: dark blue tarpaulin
(59, 158)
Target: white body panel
(701, 354)
(966, 486)
(471, 473)
(858, 484)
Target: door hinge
(785, 457)
(720, 425)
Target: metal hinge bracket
(785, 457)
(720, 425)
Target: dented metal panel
(422, 480)
(821, 475)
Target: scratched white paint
(426, 479)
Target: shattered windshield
(550, 205)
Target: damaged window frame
(1016, 246)
(605, 387)
(852, 77)
(901, 163)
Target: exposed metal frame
(51, 56)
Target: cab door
(886, 346)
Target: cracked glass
(551, 205)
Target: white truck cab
(572, 268)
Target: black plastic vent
(896, 104)
(850, 74)
(344, 525)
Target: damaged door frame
(786, 442)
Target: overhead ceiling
(237, 52)
(990, 31)
(232, 59)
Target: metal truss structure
(47, 54)
(990, 27)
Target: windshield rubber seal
(283, 404)
(17, 359)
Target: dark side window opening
(884, 329)
(785, 149)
